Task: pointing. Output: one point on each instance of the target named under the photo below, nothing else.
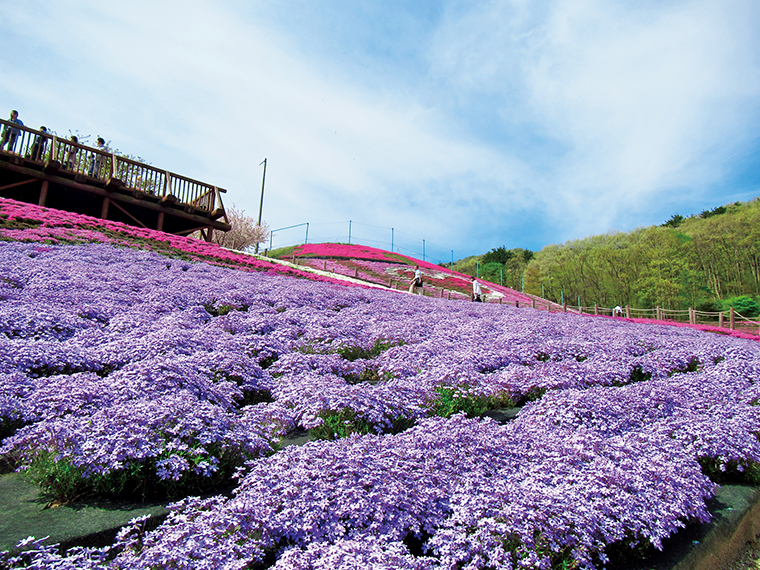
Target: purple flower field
(130, 374)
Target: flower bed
(126, 372)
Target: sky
(440, 129)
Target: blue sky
(470, 125)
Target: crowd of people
(71, 156)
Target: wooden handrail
(115, 170)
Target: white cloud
(571, 112)
(643, 100)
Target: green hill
(709, 261)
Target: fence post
(658, 313)
(627, 312)
(356, 272)
(324, 267)
(596, 309)
(532, 303)
(720, 319)
(692, 316)
(564, 307)
(732, 317)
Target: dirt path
(749, 559)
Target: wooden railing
(115, 170)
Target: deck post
(160, 222)
(104, 209)
(43, 193)
(209, 234)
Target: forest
(709, 261)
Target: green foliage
(282, 252)
(217, 310)
(745, 305)
(344, 422)
(730, 473)
(136, 481)
(500, 255)
(686, 262)
(352, 353)
(455, 399)
(714, 212)
(674, 221)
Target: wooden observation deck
(47, 170)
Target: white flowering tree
(245, 232)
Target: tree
(245, 232)
(499, 255)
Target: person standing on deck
(98, 159)
(10, 133)
(38, 147)
(71, 153)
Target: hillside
(396, 271)
(145, 367)
(709, 261)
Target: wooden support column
(43, 193)
(209, 234)
(104, 209)
(160, 223)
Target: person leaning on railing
(98, 159)
(38, 147)
(71, 154)
(10, 133)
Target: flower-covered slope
(124, 372)
(397, 270)
(132, 373)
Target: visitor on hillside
(477, 293)
(99, 159)
(416, 285)
(38, 147)
(71, 154)
(617, 311)
(10, 133)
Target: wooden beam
(138, 222)
(104, 209)
(9, 186)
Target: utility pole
(261, 203)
